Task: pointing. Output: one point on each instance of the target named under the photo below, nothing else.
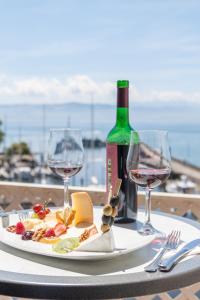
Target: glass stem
(147, 206)
(66, 196)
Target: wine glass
(148, 165)
(65, 155)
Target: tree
(21, 148)
(2, 134)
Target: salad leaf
(66, 245)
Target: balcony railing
(20, 195)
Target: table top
(23, 274)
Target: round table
(33, 276)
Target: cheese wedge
(101, 242)
(82, 204)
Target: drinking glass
(65, 155)
(148, 165)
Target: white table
(30, 275)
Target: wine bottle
(117, 145)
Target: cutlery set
(171, 244)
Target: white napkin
(100, 242)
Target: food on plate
(60, 229)
(70, 229)
(70, 217)
(114, 201)
(30, 224)
(20, 228)
(51, 240)
(114, 212)
(88, 233)
(89, 240)
(38, 234)
(82, 205)
(108, 210)
(101, 242)
(41, 214)
(106, 219)
(41, 210)
(111, 221)
(27, 235)
(59, 216)
(47, 210)
(11, 228)
(105, 227)
(50, 232)
(34, 216)
(37, 207)
(66, 245)
(65, 216)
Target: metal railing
(23, 195)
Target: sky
(74, 51)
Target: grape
(106, 219)
(27, 235)
(111, 221)
(114, 201)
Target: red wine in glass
(150, 178)
(65, 155)
(65, 171)
(148, 165)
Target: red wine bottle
(117, 145)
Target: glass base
(147, 229)
(124, 220)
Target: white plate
(126, 241)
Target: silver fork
(23, 215)
(171, 243)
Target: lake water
(31, 123)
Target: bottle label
(111, 165)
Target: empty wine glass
(65, 155)
(148, 165)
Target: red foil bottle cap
(122, 93)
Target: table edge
(34, 286)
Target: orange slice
(52, 240)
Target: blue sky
(59, 51)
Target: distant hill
(170, 116)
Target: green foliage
(2, 134)
(18, 148)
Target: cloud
(79, 88)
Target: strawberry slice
(60, 229)
(50, 232)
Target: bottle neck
(122, 107)
(122, 117)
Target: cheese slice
(31, 224)
(82, 204)
(100, 242)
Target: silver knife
(167, 263)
